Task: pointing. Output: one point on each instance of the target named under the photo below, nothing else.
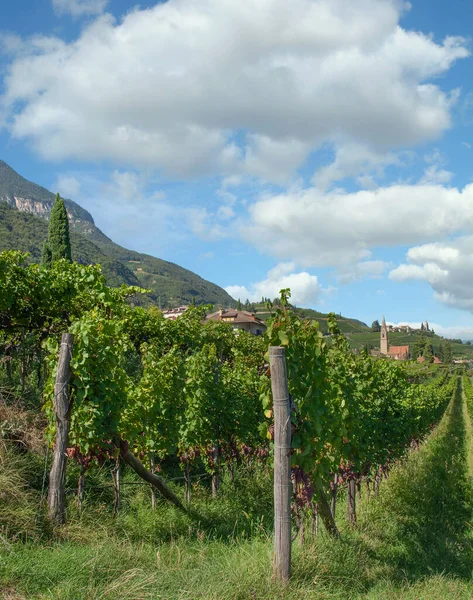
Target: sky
(320, 145)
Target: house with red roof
(436, 360)
(399, 352)
(239, 319)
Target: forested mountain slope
(24, 210)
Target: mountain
(24, 210)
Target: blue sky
(322, 145)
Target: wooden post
(215, 479)
(187, 477)
(351, 501)
(81, 487)
(333, 505)
(62, 408)
(153, 490)
(116, 486)
(282, 463)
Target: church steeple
(383, 342)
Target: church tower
(383, 343)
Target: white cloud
(126, 186)
(274, 160)
(193, 87)
(433, 175)
(368, 269)
(202, 223)
(447, 267)
(225, 212)
(305, 288)
(67, 186)
(127, 206)
(354, 159)
(10, 43)
(453, 332)
(79, 8)
(336, 228)
(231, 181)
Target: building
(383, 343)
(436, 360)
(396, 352)
(239, 319)
(399, 352)
(398, 328)
(173, 313)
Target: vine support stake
(282, 463)
(62, 410)
(351, 501)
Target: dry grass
(8, 593)
(18, 503)
(21, 427)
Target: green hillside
(347, 325)
(25, 229)
(371, 338)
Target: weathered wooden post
(187, 478)
(282, 463)
(62, 409)
(351, 501)
(116, 486)
(333, 505)
(153, 490)
(215, 461)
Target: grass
(412, 542)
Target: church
(396, 352)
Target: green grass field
(413, 542)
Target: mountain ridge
(170, 284)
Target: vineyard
(150, 445)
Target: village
(420, 349)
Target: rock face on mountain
(29, 197)
(24, 209)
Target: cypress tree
(58, 234)
(428, 353)
(46, 255)
(448, 353)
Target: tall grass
(413, 542)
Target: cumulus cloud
(446, 266)
(336, 228)
(355, 159)
(305, 288)
(368, 269)
(202, 222)
(67, 186)
(434, 174)
(126, 205)
(238, 88)
(79, 8)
